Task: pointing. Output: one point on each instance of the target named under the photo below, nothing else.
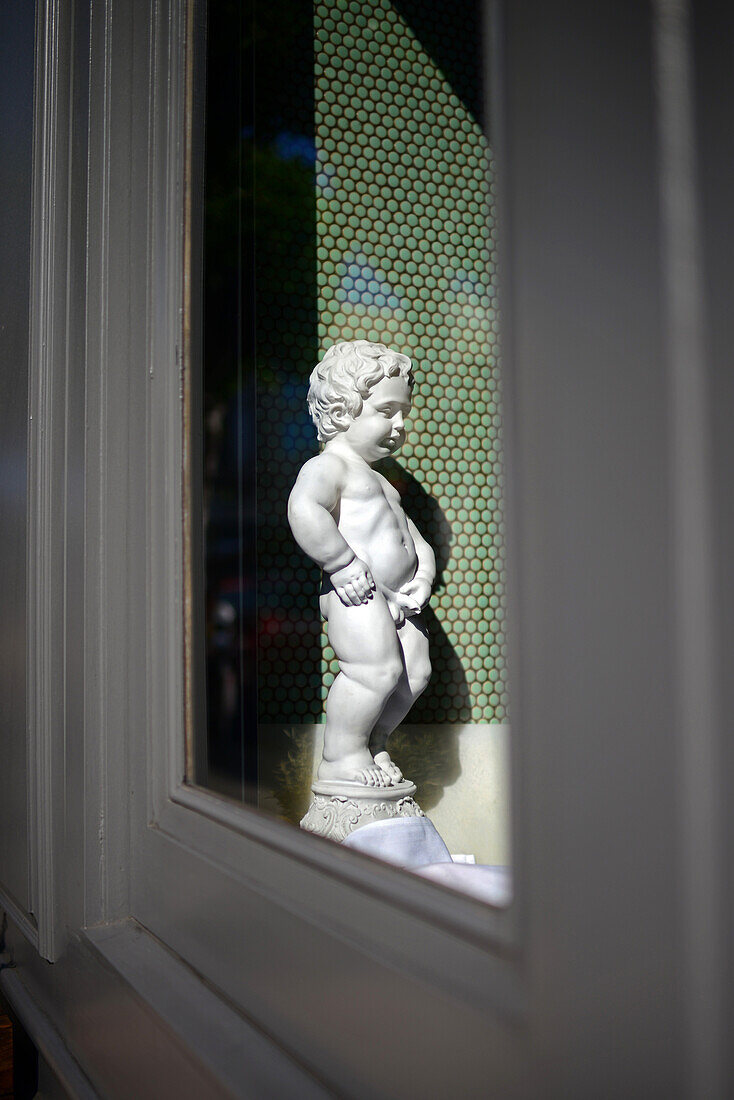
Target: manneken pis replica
(378, 570)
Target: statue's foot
(374, 776)
(388, 766)
(355, 768)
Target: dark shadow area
(428, 755)
(281, 246)
(18, 1056)
(447, 698)
(425, 512)
(452, 34)
(263, 653)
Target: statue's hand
(419, 591)
(353, 583)
(399, 604)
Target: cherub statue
(377, 568)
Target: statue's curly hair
(344, 378)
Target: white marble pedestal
(337, 809)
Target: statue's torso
(370, 516)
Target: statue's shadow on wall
(427, 753)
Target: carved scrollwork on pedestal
(336, 817)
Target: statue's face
(379, 430)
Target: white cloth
(414, 844)
(490, 884)
(405, 841)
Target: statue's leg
(365, 642)
(413, 638)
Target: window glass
(349, 196)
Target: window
(349, 194)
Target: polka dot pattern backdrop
(406, 256)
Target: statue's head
(345, 377)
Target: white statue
(377, 568)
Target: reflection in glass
(349, 194)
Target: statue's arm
(312, 501)
(426, 558)
(418, 588)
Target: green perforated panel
(406, 257)
(397, 246)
